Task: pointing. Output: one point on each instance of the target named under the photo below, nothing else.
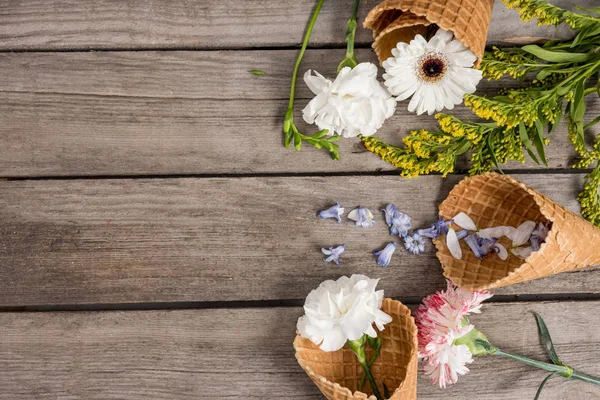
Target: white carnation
(356, 103)
(342, 310)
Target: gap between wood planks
(192, 305)
(461, 172)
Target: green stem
(370, 364)
(563, 370)
(371, 380)
(350, 59)
(358, 347)
(586, 378)
(351, 31)
(309, 29)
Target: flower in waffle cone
(338, 373)
(499, 200)
(393, 21)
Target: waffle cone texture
(496, 200)
(394, 21)
(338, 373)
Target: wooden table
(156, 238)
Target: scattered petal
(463, 233)
(501, 251)
(539, 235)
(398, 222)
(523, 233)
(453, 244)
(385, 256)
(438, 228)
(362, 216)
(333, 253)
(497, 232)
(464, 221)
(522, 252)
(414, 244)
(335, 211)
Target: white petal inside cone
(464, 221)
(453, 244)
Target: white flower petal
(333, 340)
(523, 233)
(453, 244)
(316, 83)
(502, 253)
(353, 215)
(497, 232)
(522, 252)
(464, 221)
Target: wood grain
(247, 354)
(209, 24)
(141, 113)
(222, 239)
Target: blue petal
(389, 212)
(333, 253)
(462, 234)
(471, 240)
(335, 211)
(385, 256)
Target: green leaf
(463, 148)
(490, 146)
(289, 135)
(320, 134)
(547, 340)
(333, 138)
(544, 73)
(538, 141)
(579, 101)
(504, 99)
(581, 35)
(257, 72)
(527, 142)
(577, 110)
(555, 56)
(592, 123)
(539, 391)
(594, 10)
(297, 141)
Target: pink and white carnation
(441, 321)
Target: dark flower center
(432, 67)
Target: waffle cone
(394, 21)
(338, 373)
(496, 200)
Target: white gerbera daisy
(437, 73)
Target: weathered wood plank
(103, 24)
(129, 113)
(221, 239)
(247, 353)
